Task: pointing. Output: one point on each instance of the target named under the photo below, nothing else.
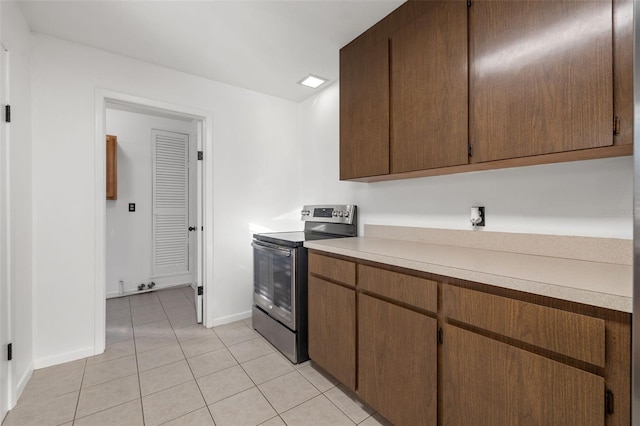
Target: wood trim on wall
(112, 167)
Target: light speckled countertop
(607, 285)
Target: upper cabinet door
(364, 106)
(429, 87)
(540, 77)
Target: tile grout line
(315, 387)
(258, 387)
(135, 354)
(336, 405)
(75, 413)
(233, 366)
(190, 370)
(297, 405)
(278, 414)
(253, 381)
(135, 351)
(176, 337)
(84, 370)
(238, 364)
(104, 409)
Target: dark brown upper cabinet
(364, 96)
(441, 87)
(428, 87)
(364, 106)
(541, 77)
(623, 71)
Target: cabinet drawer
(408, 289)
(334, 269)
(577, 336)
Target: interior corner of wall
(21, 384)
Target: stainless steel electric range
(280, 276)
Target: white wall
(129, 248)
(15, 37)
(255, 144)
(588, 198)
(270, 157)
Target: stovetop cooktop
(322, 222)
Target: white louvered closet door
(170, 203)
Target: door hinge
(616, 126)
(200, 155)
(7, 113)
(9, 351)
(608, 401)
(470, 150)
(200, 290)
(440, 336)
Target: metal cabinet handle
(275, 250)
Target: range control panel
(337, 213)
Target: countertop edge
(572, 294)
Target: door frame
(205, 143)
(7, 386)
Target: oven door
(274, 281)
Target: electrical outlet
(477, 216)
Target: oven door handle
(276, 250)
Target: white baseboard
(22, 383)
(157, 287)
(62, 358)
(231, 318)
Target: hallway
(160, 367)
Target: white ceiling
(266, 46)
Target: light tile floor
(160, 367)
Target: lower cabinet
(397, 362)
(434, 353)
(487, 382)
(332, 329)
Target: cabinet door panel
(364, 106)
(541, 78)
(397, 362)
(429, 123)
(332, 329)
(623, 69)
(486, 382)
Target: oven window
(273, 271)
(282, 282)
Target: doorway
(193, 137)
(151, 201)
